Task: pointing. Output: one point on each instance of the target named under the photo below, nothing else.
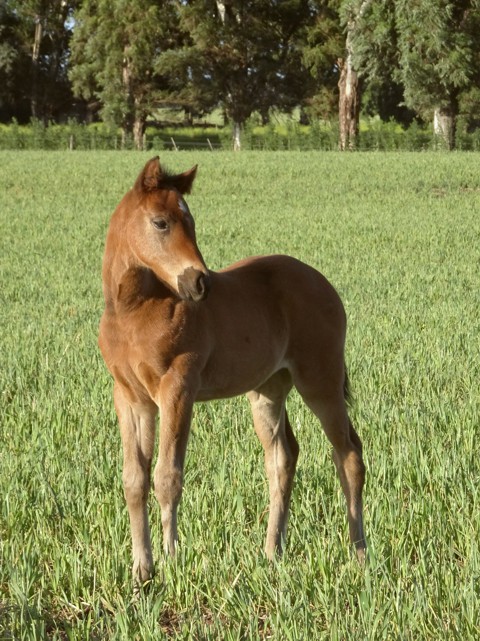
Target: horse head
(160, 231)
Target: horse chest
(139, 350)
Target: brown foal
(174, 332)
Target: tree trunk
(188, 116)
(348, 104)
(138, 131)
(34, 107)
(237, 129)
(128, 117)
(348, 84)
(444, 125)
(221, 10)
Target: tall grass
(398, 235)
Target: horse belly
(243, 367)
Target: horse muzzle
(193, 285)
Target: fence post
(173, 143)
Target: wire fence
(377, 137)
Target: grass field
(399, 236)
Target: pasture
(399, 236)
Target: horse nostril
(203, 285)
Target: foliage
(376, 55)
(246, 54)
(14, 64)
(400, 244)
(34, 57)
(115, 47)
(126, 59)
(431, 49)
(323, 46)
(438, 42)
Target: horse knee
(356, 467)
(294, 449)
(280, 466)
(168, 487)
(355, 438)
(350, 462)
(136, 485)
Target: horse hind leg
(347, 455)
(352, 476)
(281, 453)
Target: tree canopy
(34, 57)
(428, 50)
(122, 60)
(115, 49)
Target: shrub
(287, 135)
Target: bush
(288, 135)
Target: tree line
(123, 60)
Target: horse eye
(160, 223)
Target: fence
(376, 136)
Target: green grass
(399, 237)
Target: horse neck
(119, 262)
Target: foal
(174, 333)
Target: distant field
(399, 236)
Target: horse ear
(150, 176)
(183, 182)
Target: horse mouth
(193, 285)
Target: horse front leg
(176, 405)
(137, 427)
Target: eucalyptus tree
(115, 48)
(376, 56)
(246, 53)
(14, 66)
(34, 53)
(323, 54)
(439, 47)
(430, 48)
(330, 55)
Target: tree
(34, 54)
(14, 66)
(323, 52)
(352, 13)
(438, 42)
(429, 47)
(376, 56)
(330, 54)
(245, 53)
(115, 49)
